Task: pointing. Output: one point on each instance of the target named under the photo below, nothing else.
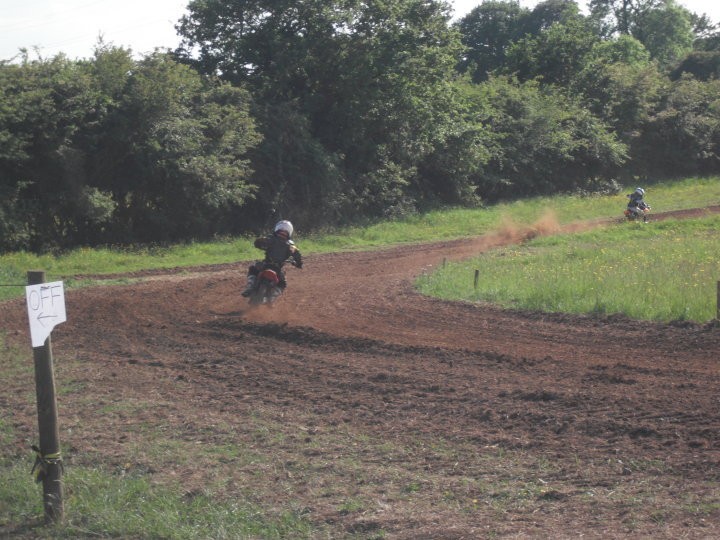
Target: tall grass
(98, 504)
(658, 271)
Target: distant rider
(637, 205)
(278, 248)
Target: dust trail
(547, 224)
(510, 232)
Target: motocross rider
(636, 203)
(278, 248)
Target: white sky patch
(73, 26)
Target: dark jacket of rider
(636, 200)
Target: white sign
(46, 308)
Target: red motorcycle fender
(269, 275)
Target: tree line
(331, 112)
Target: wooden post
(477, 277)
(718, 301)
(48, 459)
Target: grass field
(659, 271)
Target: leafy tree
(556, 55)
(703, 65)
(490, 29)
(44, 105)
(362, 87)
(545, 142)
(683, 136)
(621, 85)
(15, 227)
(487, 33)
(461, 149)
(619, 16)
(707, 33)
(662, 26)
(388, 103)
(296, 175)
(172, 149)
(113, 150)
(547, 13)
(666, 32)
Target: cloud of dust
(278, 313)
(510, 232)
(547, 224)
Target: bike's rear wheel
(259, 295)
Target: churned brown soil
(376, 412)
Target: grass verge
(661, 271)
(98, 504)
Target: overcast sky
(73, 26)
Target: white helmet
(286, 226)
(640, 191)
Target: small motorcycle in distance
(266, 290)
(634, 213)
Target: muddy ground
(375, 412)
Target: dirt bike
(635, 213)
(267, 289)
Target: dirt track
(376, 410)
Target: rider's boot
(251, 279)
